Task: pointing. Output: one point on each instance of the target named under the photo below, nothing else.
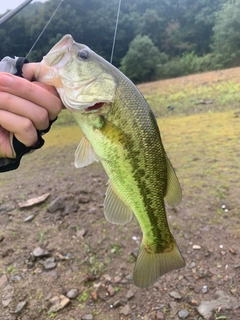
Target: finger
(32, 92)
(28, 70)
(21, 127)
(13, 104)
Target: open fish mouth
(95, 107)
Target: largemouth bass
(121, 131)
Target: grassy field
(199, 120)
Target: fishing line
(115, 32)
(44, 28)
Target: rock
(83, 199)
(159, 315)
(81, 233)
(7, 294)
(7, 208)
(196, 247)
(183, 314)
(49, 263)
(55, 205)
(39, 252)
(73, 293)
(175, 295)
(126, 310)
(29, 218)
(94, 295)
(192, 265)
(87, 317)
(204, 289)
(3, 281)
(20, 306)
(223, 301)
(194, 302)
(111, 290)
(117, 279)
(58, 303)
(1, 238)
(117, 304)
(129, 295)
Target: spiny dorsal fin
(173, 193)
(150, 266)
(115, 210)
(84, 154)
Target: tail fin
(150, 266)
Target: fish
(121, 131)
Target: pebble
(223, 301)
(126, 310)
(20, 306)
(29, 218)
(83, 199)
(194, 302)
(175, 295)
(196, 247)
(111, 290)
(183, 314)
(73, 293)
(81, 233)
(58, 303)
(87, 317)
(39, 252)
(55, 205)
(117, 304)
(129, 295)
(117, 279)
(192, 265)
(1, 238)
(49, 263)
(204, 289)
(7, 208)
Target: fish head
(82, 78)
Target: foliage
(179, 37)
(141, 60)
(226, 40)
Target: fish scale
(121, 132)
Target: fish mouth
(95, 107)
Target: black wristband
(20, 150)
(19, 65)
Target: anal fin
(173, 193)
(115, 210)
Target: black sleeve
(7, 164)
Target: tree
(141, 61)
(226, 39)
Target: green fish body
(121, 131)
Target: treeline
(156, 39)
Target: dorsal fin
(115, 210)
(84, 154)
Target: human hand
(24, 107)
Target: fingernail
(5, 80)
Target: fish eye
(83, 54)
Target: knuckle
(27, 125)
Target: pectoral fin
(84, 154)
(173, 193)
(115, 210)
